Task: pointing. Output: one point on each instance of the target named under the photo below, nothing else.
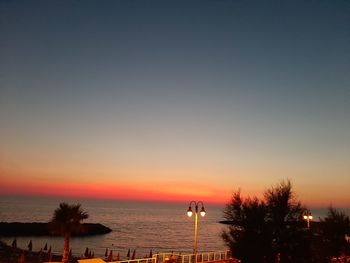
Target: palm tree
(66, 221)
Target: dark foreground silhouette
(273, 229)
(9, 254)
(42, 229)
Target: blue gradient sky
(186, 99)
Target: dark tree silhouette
(66, 221)
(248, 230)
(291, 243)
(267, 230)
(333, 229)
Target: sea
(140, 226)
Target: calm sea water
(162, 227)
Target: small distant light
(305, 217)
(310, 217)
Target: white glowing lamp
(189, 212)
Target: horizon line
(138, 200)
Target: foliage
(66, 221)
(264, 230)
(285, 213)
(247, 228)
(333, 229)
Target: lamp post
(189, 213)
(308, 217)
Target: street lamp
(190, 213)
(308, 217)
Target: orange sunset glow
(165, 110)
(174, 178)
(161, 192)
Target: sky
(175, 100)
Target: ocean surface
(162, 227)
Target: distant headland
(13, 229)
